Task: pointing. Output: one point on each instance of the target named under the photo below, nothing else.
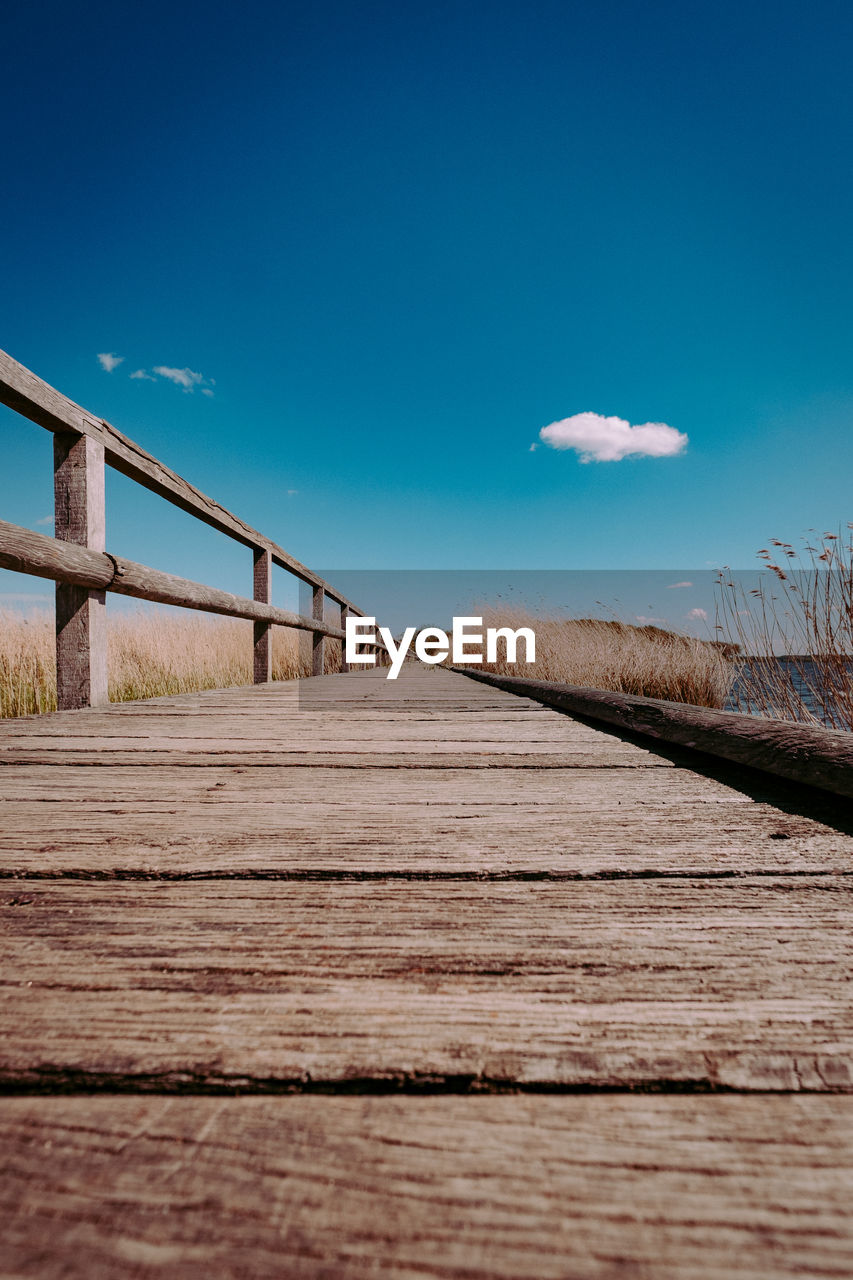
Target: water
(804, 681)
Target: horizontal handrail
(29, 395)
(24, 551)
(84, 571)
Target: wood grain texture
(81, 614)
(408, 776)
(743, 984)
(30, 396)
(399, 889)
(262, 639)
(530, 1188)
(318, 648)
(285, 819)
(803, 753)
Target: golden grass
(155, 652)
(151, 653)
(600, 654)
(27, 664)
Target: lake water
(803, 678)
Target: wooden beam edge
(802, 753)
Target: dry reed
(804, 611)
(620, 658)
(151, 653)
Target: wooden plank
(398, 725)
(363, 982)
(81, 614)
(336, 756)
(802, 753)
(530, 1188)
(281, 819)
(742, 984)
(30, 396)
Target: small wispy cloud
(291, 492)
(186, 378)
(533, 448)
(46, 520)
(599, 439)
(675, 586)
(645, 622)
(698, 615)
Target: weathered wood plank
(742, 984)
(336, 757)
(721, 1188)
(240, 718)
(281, 819)
(802, 753)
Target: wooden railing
(77, 559)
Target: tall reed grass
(618, 657)
(151, 653)
(804, 610)
(154, 653)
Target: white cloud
(206, 391)
(109, 360)
(646, 622)
(186, 378)
(674, 586)
(46, 520)
(533, 448)
(698, 615)
(600, 439)
(291, 492)
(142, 376)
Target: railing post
(81, 614)
(318, 651)
(262, 591)
(344, 663)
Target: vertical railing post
(318, 649)
(81, 614)
(344, 663)
(262, 591)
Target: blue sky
(398, 241)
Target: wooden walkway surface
(415, 979)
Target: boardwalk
(415, 979)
